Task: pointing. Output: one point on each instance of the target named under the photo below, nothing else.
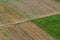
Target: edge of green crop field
(57, 0)
(45, 25)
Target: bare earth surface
(34, 9)
(24, 31)
(10, 16)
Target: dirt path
(25, 31)
(3, 22)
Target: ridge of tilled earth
(22, 21)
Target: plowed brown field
(24, 31)
(34, 9)
(10, 16)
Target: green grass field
(57, 0)
(51, 24)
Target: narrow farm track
(3, 22)
(24, 31)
